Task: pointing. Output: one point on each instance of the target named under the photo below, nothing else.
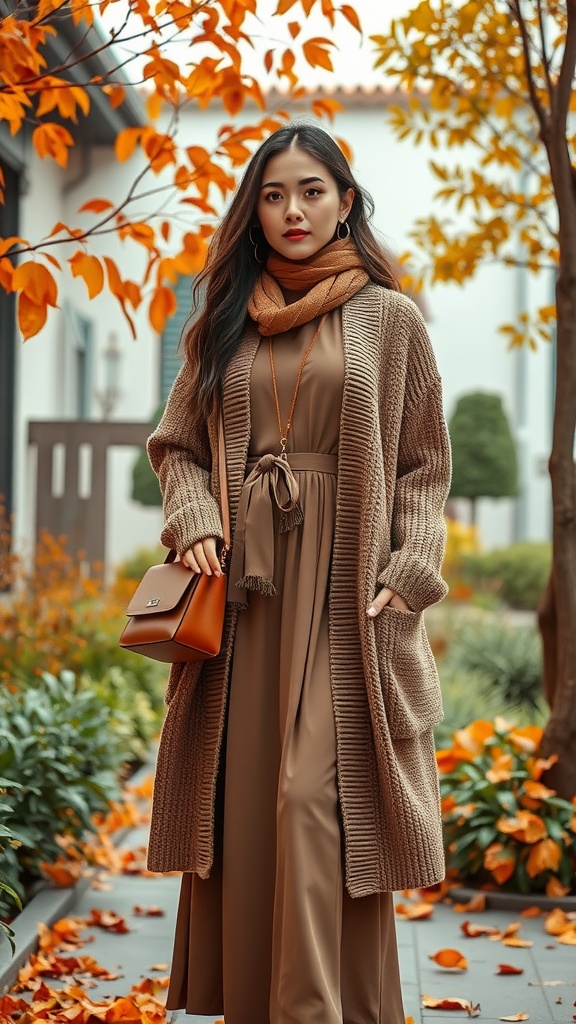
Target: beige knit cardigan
(393, 478)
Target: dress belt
(302, 462)
(270, 482)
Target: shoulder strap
(223, 480)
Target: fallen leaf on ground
(474, 931)
(158, 967)
(450, 1003)
(546, 984)
(513, 940)
(63, 936)
(64, 873)
(451, 958)
(474, 906)
(414, 911)
(509, 969)
(531, 912)
(568, 938)
(556, 922)
(148, 911)
(107, 919)
(516, 1016)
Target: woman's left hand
(387, 596)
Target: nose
(293, 212)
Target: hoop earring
(343, 224)
(255, 244)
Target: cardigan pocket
(408, 673)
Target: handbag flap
(161, 588)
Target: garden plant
(504, 828)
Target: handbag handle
(223, 480)
(224, 507)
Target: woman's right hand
(203, 557)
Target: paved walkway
(546, 990)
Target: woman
(296, 783)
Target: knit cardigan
(393, 479)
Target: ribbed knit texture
(330, 277)
(393, 478)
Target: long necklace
(285, 431)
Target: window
(170, 359)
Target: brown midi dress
(272, 937)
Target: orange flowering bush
(503, 826)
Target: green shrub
(503, 828)
(134, 567)
(10, 897)
(506, 661)
(59, 757)
(134, 717)
(517, 574)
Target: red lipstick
(295, 233)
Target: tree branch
(536, 104)
(544, 53)
(566, 77)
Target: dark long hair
(232, 269)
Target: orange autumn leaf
(64, 873)
(531, 912)
(475, 905)
(567, 938)
(414, 911)
(474, 931)
(96, 206)
(540, 765)
(151, 911)
(162, 307)
(524, 826)
(63, 935)
(145, 789)
(501, 770)
(125, 144)
(450, 958)
(515, 1016)
(31, 316)
(556, 922)
(53, 140)
(544, 856)
(513, 940)
(316, 53)
(90, 269)
(36, 281)
(537, 790)
(107, 919)
(500, 862)
(527, 739)
(450, 1003)
(509, 969)
(555, 889)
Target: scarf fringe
(257, 583)
(288, 520)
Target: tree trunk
(548, 625)
(560, 733)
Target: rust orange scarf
(331, 276)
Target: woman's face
(299, 204)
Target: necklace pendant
(283, 454)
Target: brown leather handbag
(177, 615)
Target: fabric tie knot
(271, 483)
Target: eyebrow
(303, 181)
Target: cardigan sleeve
(422, 482)
(180, 456)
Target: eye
(273, 197)
(313, 191)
